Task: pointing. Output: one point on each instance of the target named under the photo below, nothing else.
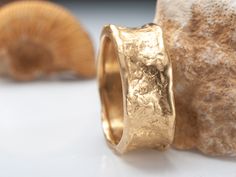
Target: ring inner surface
(111, 93)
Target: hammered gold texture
(146, 78)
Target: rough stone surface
(201, 38)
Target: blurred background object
(40, 38)
(25, 63)
(2, 2)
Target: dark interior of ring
(111, 92)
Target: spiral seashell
(39, 38)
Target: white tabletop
(52, 128)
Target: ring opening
(111, 93)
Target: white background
(52, 128)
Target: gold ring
(135, 84)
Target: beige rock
(201, 39)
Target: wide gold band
(135, 82)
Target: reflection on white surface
(52, 129)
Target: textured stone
(201, 38)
